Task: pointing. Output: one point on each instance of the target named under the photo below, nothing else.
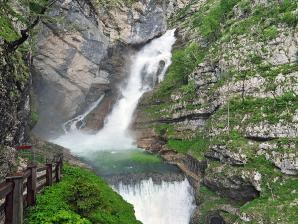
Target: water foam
(165, 203)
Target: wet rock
(134, 178)
(213, 217)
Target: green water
(123, 162)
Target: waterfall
(148, 68)
(154, 203)
(165, 203)
(78, 122)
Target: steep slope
(230, 100)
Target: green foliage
(21, 13)
(263, 20)
(256, 110)
(209, 22)
(270, 32)
(189, 90)
(33, 118)
(66, 217)
(84, 197)
(255, 59)
(184, 62)
(83, 192)
(164, 129)
(196, 146)
(7, 30)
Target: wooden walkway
(19, 191)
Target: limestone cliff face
(230, 99)
(15, 84)
(84, 57)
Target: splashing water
(165, 203)
(148, 68)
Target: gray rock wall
(84, 56)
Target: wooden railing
(19, 191)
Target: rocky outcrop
(225, 155)
(15, 83)
(283, 156)
(241, 187)
(265, 131)
(67, 64)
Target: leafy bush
(66, 217)
(84, 197)
(83, 192)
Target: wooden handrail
(14, 188)
(40, 169)
(5, 189)
(41, 177)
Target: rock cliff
(15, 110)
(230, 100)
(83, 57)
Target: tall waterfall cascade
(148, 68)
(154, 203)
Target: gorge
(186, 108)
(153, 201)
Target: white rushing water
(148, 67)
(165, 203)
(78, 121)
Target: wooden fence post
(58, 171)
(14, 201)
(31, 186)
(49, 175)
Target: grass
(209, 23)
(196, 146)
(81, 197)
